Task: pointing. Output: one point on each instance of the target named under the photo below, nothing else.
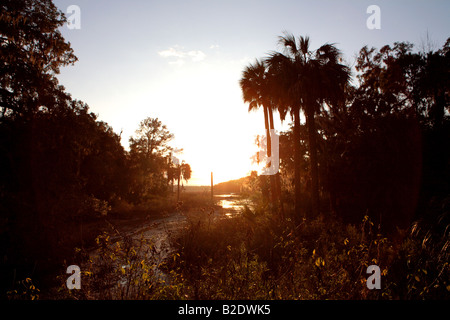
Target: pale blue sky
(181, 61)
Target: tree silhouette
(148, 159)
(152, 137)
(256, 89)
(32, 50)
(307, 80)
(183, 172)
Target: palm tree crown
(307, 79)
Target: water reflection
(231, 203)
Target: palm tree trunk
(310, 122)
(297, 161)
(269, 125)
(269, 147)
(266, 123)
(271, 118)
(276, 182)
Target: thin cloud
(181, 55)
(171, 52)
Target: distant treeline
(232, 186)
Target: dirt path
(154, 230)
(158, 231)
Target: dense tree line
(59, 165)
(382, 160)
(376, 146)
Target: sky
(181, 61)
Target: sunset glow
(188, 76)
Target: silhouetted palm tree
(183, 172)
(304, 81)
(256, 90)
(255, 86)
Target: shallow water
(231, 204)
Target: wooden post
(212, 186)
(178, 190)
(179, 177)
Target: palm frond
(289, 44)
(304, 45)
(328, 53)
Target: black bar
(237, 309)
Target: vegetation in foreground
(255, 255)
